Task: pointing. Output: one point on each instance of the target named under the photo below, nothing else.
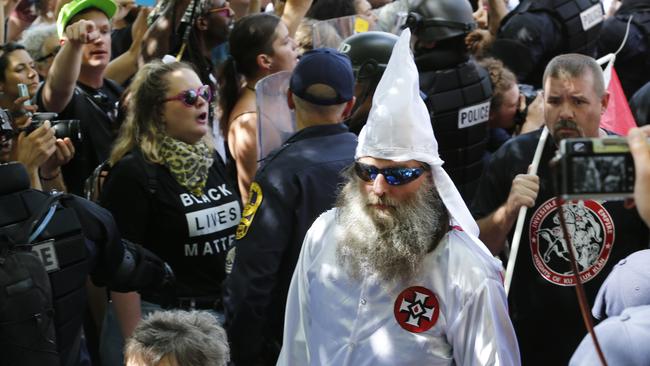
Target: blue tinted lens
(394, 176)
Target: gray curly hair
(34, 37)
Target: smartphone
(23, 91)
(44, 116)
(595, 168)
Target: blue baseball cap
(323, 66)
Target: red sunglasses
(225, 11)
(189, 97)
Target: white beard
(390, 243)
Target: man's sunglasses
(395, 176)
(225, 12)
(51, 54)
(189, 97)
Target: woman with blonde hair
(167, 192)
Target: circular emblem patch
(591, 231)
(416, 309)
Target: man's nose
(566, 112)
(380, 186)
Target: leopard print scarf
(189, 164)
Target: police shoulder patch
(254, 201)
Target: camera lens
(69, 128)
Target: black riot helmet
(369, 53)
(437, 20)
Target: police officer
(633, 60)
(537, 30)
(458, 91)
(41, 318)
(295, 184)
(369, 53)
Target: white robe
(332, 319)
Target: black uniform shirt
(295, 185)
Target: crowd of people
(377, 230)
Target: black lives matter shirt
(543, 303)
(191, 233)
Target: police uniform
(633, 61)
(458, 99)
(538, 30)
(543, 304)
(78, 240)
(296, 183)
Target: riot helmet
(369, 53)
(437, 20)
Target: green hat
(74, 7)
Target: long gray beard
(390, 244)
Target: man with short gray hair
(543, 304)
(178, 338)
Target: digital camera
(70, 128)
(529, 94)
(595, 168)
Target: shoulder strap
(150, 171)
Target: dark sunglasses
(225, 11)
(189, 97)
(395, 176)
(51, 54)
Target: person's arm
(482, 333)
(242, 139)
(62, 78)
(294, 12)
(50, 171)
(495, 227)
(125, 195)
(254, 279)
(297, 319)
(123, 67)
(640, 150)
(34, 150)
(156, 39)
(127, 310)
(497, 10)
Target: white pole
(514, 249)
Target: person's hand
(481, 15)
(535, 115)
(82, 32)
(62, 155)
(22, 118)
(36, 148)
(123, 8)
(523, 192)
(637, 139)
(139, 27)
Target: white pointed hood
(399, 129)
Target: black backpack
(27, 331)
(94, 183)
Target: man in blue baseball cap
(296, 183)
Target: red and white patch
(416, 309)
(591, 230)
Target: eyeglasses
(395, 176)
(51, 54)
(225, 11)
(189, 97)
